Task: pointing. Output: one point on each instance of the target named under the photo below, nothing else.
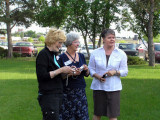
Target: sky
(37, 29)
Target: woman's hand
(67, 70)
(77, 72)
(111, 72)
(85, 67)
(102, 79)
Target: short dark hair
(106, 32)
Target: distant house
(16, 39)
(2, 38)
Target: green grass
(140, 97)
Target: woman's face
(56, 46)
(109, 40)
(75, 45)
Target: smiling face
(75, 44)
(109, 40)
(56, 46)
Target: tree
(30, 33)
(16, 12)
(30, 39)
(41, 38)
(145, 22)
(103, 13)
(157, 39)
(90, 18)
(51, 12)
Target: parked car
(64, 48)
(90, 48)
(116, 45)
(25, 49)
(129, 48)
(157, 51)
(143, 51)
(4, 45)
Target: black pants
(50, 106)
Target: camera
(105, 75)
(81, 68)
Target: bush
(42, 39)
(16, 55)
(134, 60)
(30, 39)
(3, 52)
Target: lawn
(140, 97)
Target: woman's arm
(64, 70)
(123, 68)
(92, 65)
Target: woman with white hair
(74, 105)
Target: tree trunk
(8, 30)
(99, 41)
(85, 42)
(150, 35)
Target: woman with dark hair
(74, 105)
(49, 72)
(107, 64)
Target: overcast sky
(37, 28)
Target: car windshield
(90, 47)
(4, 43)
(127, 46)
(157, 47)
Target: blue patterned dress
(74, 106)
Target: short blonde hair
(54, 35)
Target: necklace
(72, 57)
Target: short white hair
(72, 36)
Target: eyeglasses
(76, 42)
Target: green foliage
(16, 13)
(3, 52)
(30, 33)
(89, 18)
(2, 31)
(134, 60)
(52, 13)
(42, 39)
(21, 14)
(15, 55)
(138, 17)
(30, 39)
(157, 39)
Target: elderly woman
(107, 65)
(74, 105)
(48, 74)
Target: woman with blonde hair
(49, 72)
